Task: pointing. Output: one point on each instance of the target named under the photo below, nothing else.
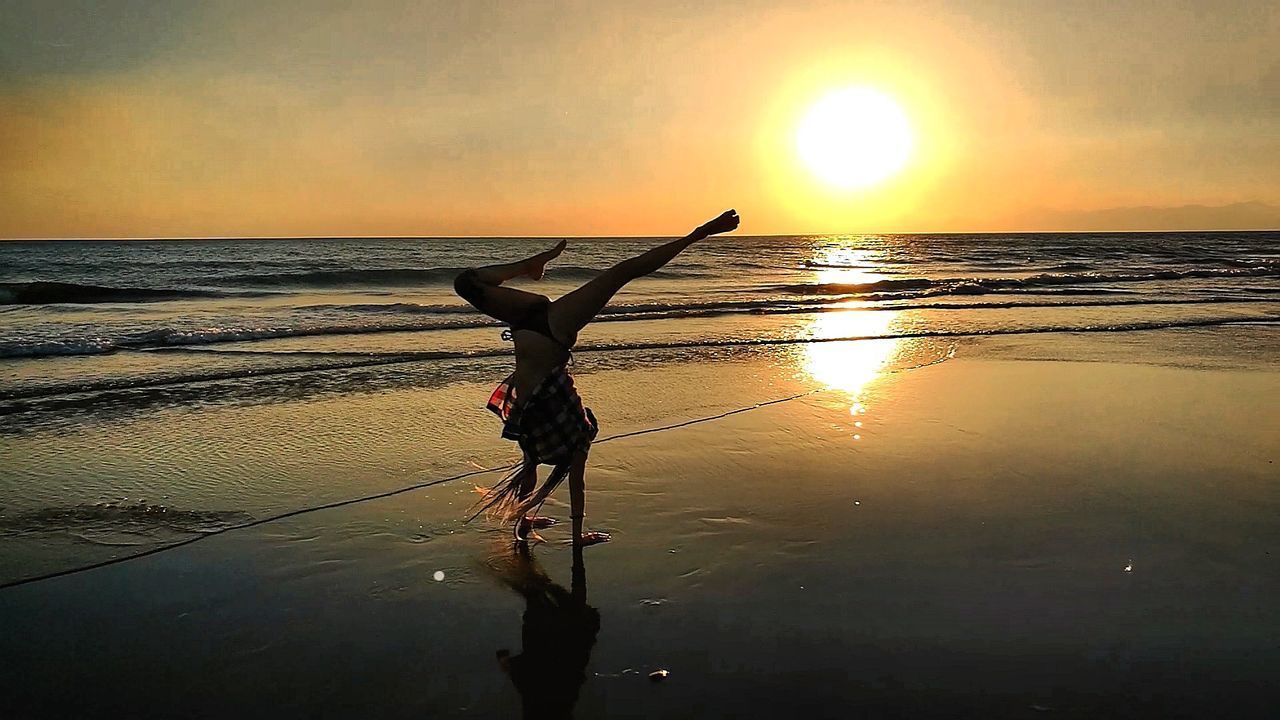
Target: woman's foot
(538, 263)
(727, 221)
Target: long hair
(503, 500)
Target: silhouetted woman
(537, 403)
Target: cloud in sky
(251, 118)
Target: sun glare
(854, 138)
(849, 366)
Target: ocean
(1069, 430)
(87, 298)
(92, 331)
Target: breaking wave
(371, 319)
(326, 361)
(977, 286)
(48, 293)
(392, 277)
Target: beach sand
(1054, 526)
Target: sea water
(94, 334)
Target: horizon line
(153, 238)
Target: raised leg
(571, 313)
(482, 287)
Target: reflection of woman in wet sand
(557, 636)
(538, 404)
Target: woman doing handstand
(537, 403)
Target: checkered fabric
(552, 424)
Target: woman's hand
(591, 538)
(727, 222)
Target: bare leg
(578, 503)
(532, 266)
(482, 287)
(572, 312)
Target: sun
(854, 138)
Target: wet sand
(1057, 528)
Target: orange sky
(619, 118)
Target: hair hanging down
(503, 499)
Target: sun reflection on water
(845, 265)
(849, 366)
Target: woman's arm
(578, 503)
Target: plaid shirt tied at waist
(552, 424)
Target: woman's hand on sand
(591, 538)
(727, 222)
